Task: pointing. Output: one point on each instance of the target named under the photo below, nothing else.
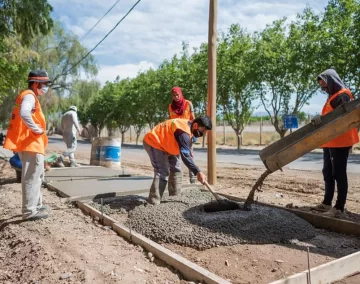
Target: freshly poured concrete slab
(87, 172)
(108, 187)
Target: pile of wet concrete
(183, 221)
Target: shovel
(221, 204)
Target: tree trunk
(137, 138)
(239, 139)
(282, 133)
(122, 137)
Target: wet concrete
(101, 186)
(182, 220)
(83, 173)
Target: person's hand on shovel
(201, 177)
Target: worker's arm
(192, 114)
(184, 141)
(27, 105)
(76, 121)
(339, 100)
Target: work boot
(39, 215)
(43, 208)
(157, 190)
(335, 213)
(59, 162)
(192, 177)
(321, 207)
(175, 182)
(73, 164)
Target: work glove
(316, 120)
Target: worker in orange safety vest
(26, 135)
(336, 151)
(164, 143)
(182, 108)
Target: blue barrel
(110, 152)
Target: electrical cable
(89, 31)
(123, 18)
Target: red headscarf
(179, 106)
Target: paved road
(311, 161)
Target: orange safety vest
(19, 137)
(186, 114)
(162, 136)
(350, 137)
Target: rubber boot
(192, 177)
(73, 164)
(156, 191)
(72, 161)
(175, 182)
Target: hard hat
(38, 76)
(74, 108)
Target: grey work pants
(31, 179)
(71, 144)
(162, 163)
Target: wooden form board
(190, 270)
(334, 224)
(326, 273)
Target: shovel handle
(217, 197)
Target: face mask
(197, 133)
(44, 89)
(325, 89)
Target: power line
(123, 18)
(99, 20)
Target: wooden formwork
(190, 270)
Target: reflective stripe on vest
(186, 114)
(350, 137)
(162, 136)
(19, 137)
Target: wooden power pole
(211, 109)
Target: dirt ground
(68, 247)
(70, 242)
(264, 263)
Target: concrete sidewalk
(90, 181)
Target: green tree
(339, 39)
(60, 54)
(304, 48)
(235, 79)
(273, 82)
(25, 18)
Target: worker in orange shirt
(26, 135)
(336, 151)
(164, 143)
(181, 108)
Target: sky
(155, 29)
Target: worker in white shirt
(69, 127)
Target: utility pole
(211, 110)
(261, 130)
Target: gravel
(182, 220)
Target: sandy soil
(67, 247)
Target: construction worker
(69, 127)
(336, 151)
(26, 135)
(181, 108)
(164, 143)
